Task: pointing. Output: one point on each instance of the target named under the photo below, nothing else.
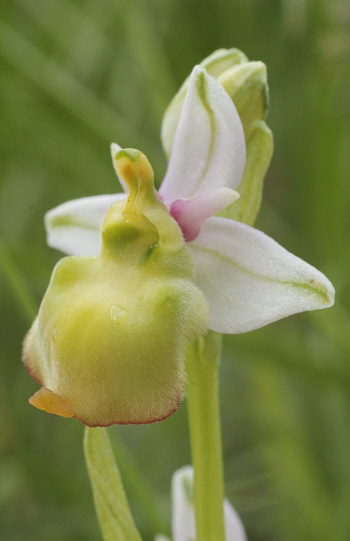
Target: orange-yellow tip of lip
(47, 400)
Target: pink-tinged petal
(249, 280)
(209, 148)
(114, 150)
(74, 227)
(191, 213)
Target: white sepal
(74, 227)
(209, 147)
(249, 280)
(215, 64)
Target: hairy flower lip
(83, 344)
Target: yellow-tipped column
(136, 171)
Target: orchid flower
(248, 280)
(151, 273)
(183, 519)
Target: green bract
(112, 330)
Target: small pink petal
(191, 213)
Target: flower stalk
(203, 362)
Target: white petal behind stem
(209, 147)
(183, 515)
(249, 280)
(74, 227)
(234, 529)
(184, 522)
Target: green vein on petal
(311, 286)
(68, 221)
(202, 91)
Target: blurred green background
(78, 74)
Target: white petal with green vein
(249, 280)
(74, 227)
(215, 64)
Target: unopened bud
(246, 84)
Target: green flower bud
(246, 84)
(109, 341)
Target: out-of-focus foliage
(76, 75)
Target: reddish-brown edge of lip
(140, 423)
(30, 371)
(113, 422)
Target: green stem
(203, 361)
